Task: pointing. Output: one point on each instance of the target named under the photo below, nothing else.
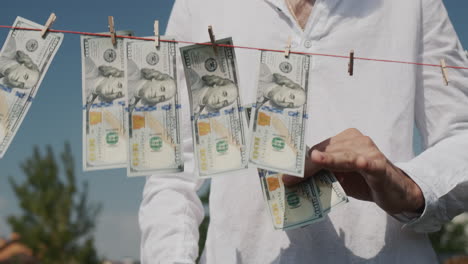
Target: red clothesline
(239, 47)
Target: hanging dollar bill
(153, 110)
(330, 191)
(104, 129)
(24, 61)
(290, 207)
(279, 118)
(218, 120)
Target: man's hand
(364, 172)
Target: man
(395, 197)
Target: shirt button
(308, 44)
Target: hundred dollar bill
(279, 117)
(24, 61)
(290, 207)
(153, 108)
(104, 129)
(218, 119)
(330, 191)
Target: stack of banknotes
(302, 204)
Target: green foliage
(57, 220)
(451, 239)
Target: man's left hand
(364, 172)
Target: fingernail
(319, 155)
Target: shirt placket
(315, 26)
(305, 40)
(282, 9)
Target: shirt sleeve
(441, 113)
(171, 211)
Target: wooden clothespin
(351, 63)
(112, 30)
(213, 40)
(288, 47)
(156, 33)
(443, 67)
(48, 24)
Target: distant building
(12, 251)
(457, 260)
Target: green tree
(57, 220)
(451, 239)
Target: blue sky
(55, 115)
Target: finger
(309, 171)
(361, 145)
(340, 161)
(344, 136)
(310, 167)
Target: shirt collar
(279, 4)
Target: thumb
(310, 169)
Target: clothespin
(112, 29)
(213, 40)
(156, 33)
(351, 63)
(443, 67)
(48, 24)
(288, 47)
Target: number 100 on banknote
(279, 115)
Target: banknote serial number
(225, 112)
(187, 60)
(281, 111)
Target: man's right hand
(364, 172)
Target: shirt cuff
(430, 220)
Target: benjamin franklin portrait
(211, 93)
(153, 87)
(18, 70)
(282, 93)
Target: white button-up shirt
(382, 100)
